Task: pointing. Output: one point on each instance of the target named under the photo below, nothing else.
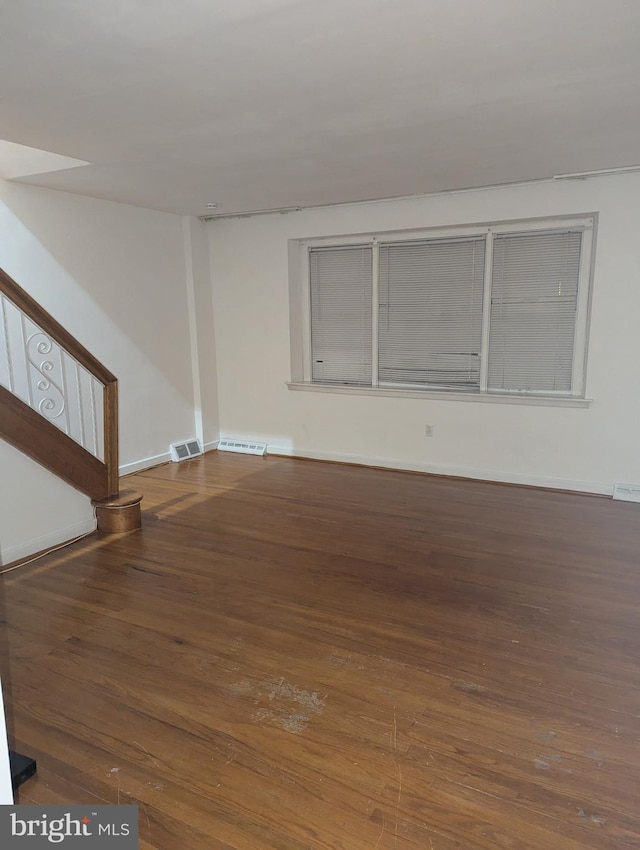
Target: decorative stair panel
(58, 404)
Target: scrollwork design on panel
(39, 349)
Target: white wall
(203, 346)
(6, 791)
(585, 449)
(115, 277)
(37, 509)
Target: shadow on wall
(114, 275)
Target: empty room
(319, 468)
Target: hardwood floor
(303, 655)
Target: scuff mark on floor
(545, 737)
(281, 689)
(597, 819)
(546, 762)
(282, 702)
(468, 687)
(240, 688)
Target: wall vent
(242, 447)
(183, 451)
(627, 492)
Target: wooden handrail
(33, 434)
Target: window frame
(586, 222)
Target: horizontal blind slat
(533, 311)
(341, 314)
(430, 312)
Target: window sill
(442, 395)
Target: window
(341, 306)
(499, 309)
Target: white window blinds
(500, 308)
(533, 311)
(430, 312)
(341, 314)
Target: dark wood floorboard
(301, 655)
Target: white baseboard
(46, 541)
(497, 475)
(156, 460)
(440, 469)
(144, 463)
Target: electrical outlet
(428, 430)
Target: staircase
(59, 405)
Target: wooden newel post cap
(120, 513)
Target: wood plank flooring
(295, 655)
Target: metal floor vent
(183, 451)
(243, 448)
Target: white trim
(494, 475)
(193, 328)
(157, 460)
(144, 463)
(6, 790)
(585, 282)
(520, 225)
(444, 395)
(511, 184)
(585, 223)
(306, 312)
(486, 313)
(375, 310)
(47, 541)
(600, 172)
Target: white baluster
(80, 408)
(39, 356)
(5, 326)
(94, 421)
(24, 339)
(63, 381)
(32, 360)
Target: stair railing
(58, 403)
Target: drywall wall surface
(114, 276)
(203, 348)
(586, 449)
(37, 509)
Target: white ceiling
(256, 104)
(20, 161)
